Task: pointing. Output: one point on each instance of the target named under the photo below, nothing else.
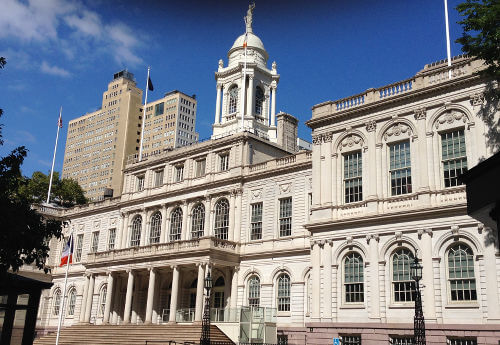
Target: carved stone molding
(420, 232)
(285, 188)
(256, 194)
(327, 138)
(476, 99)
(316, 139)
(349, 239)
(455, 230)
(398, 129)
(420, 114)
(480, 228)
(371, 126)
(370, 237)
(351, 141)
(451, 117)
(398, 235)
(97, 224)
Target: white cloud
(54, 70)
(25, 137)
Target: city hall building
(320, 241)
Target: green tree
(24, 232)
(481, 39)
(65, 192)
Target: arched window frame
(56, 302)
(233, 99)
(353, 278)
(283, 292)
(155, 227)
(253, 291)
(135, 234)
(402, 284)
(71, 302)
(467, 278)
(102, 299)
(176, 224)
(198, 221)
(259, 100)
(221, 225)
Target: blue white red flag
(67, 254)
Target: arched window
(403, 284)
(233, 99)
(135, 238)
(176, 224)
(222, 219)
(461, 273)
(155, 228)
(283, 302)
(254, 291)
(102, 299)
(57, 302)
(198, 221)
(71, 302)
(259, 100)
(353, 278)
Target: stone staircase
(132, 334)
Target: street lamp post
(205, 326)
(418, 321)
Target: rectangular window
(224, 161)
(159, 109)
(461, 341)
(111, 239)
(400, 168)
(285, 217)
(159, 178)
(353, 181)
(95, 242)
(351, 339)
(179, 173)
(454, 157)
(78, 249)
(282, 339)
(401, 340)
(140, 183)
(256, 222)
(200, 167)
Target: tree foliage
(64, 192)
(24, 233)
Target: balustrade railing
(185, 315)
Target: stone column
(316, 279)
(174, 294)
(327, 284)
(316, 171)
(217, 104)
(273, 107)
(163, 231)
(227, 288)
(84, 298)
(109, 298)
(125, 228)
(116, 300)
(326, 170)
(492, 297)
(372, 160)
(128, 297)
(250, 100)
(265, 107)
(151, 294)
(420, 116)
(121, 233)
(199, 293)
(208, 215)
(90, 296)
(184, 232)
(230, 236)
(234, 288)
(242, 98)
(238, 214)
(334, 159)
(145, 225)
(374, 276)
(427, 274)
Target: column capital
(427, 231)
(131, 271)
(327, 137)
(174, 266)
(152, 268)
(371, 126)
(372, 237)
(420, 113)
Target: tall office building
(98, 144)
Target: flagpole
(144, 116)
(54, 158)
(448, 49)
(243, 92)
(61, 307)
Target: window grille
(283, 292)
(71, 302)
(224, 161)
(353, 181)
(198, 221)
(57, 302)
(285, 218)
(351, 339)
(159, 178)
(78, 249)
(259, 100)
(95, 242)
(233, 99)
(254, 291)
(461, 341)
(176, 224)
(155, 228)
(135, 238)
(461, 273)
(140, 183)
(353, 278)
(256, 222)
(222, 219)
(102, 299)
(179, 173)
(401, 340)
(400, 168)
(403, 284)
(200, 167)
(454, 157)
(111, 239)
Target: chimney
(287, 131)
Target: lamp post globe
(418, 321)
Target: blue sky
(64, 53)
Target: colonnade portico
(154, 294)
